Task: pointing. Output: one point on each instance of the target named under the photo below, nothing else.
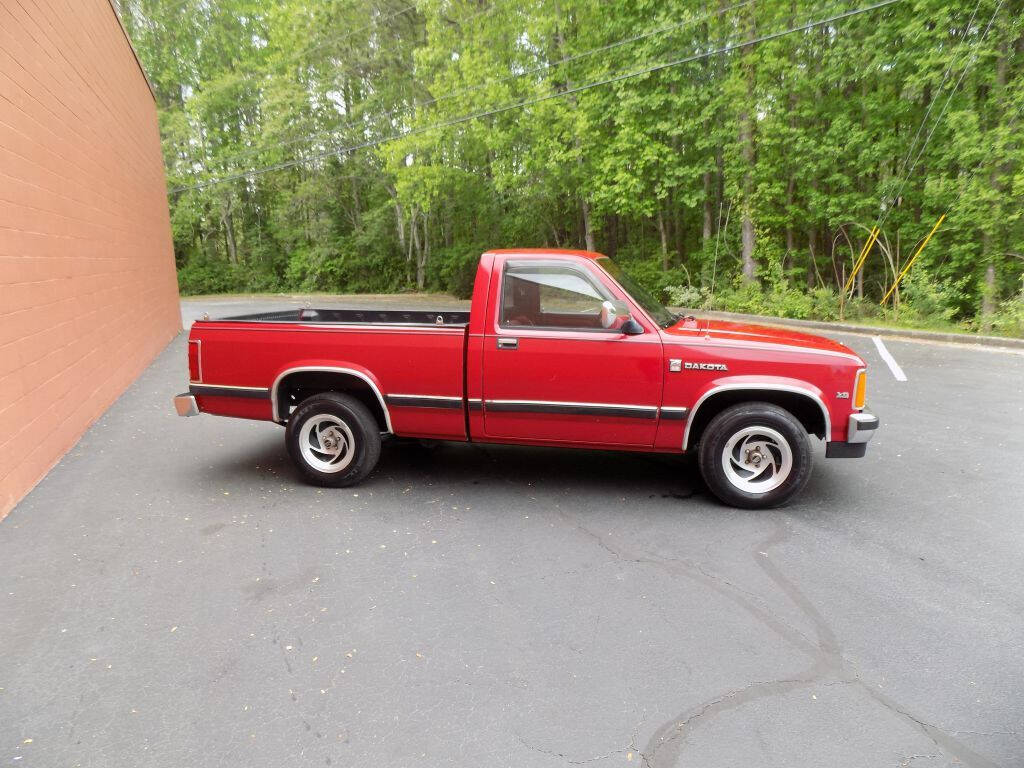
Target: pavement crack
(668, 740)
(986, 733)
(664, 746)
(906, 761)
(945, 741)
(569, 760)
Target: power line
(348, 123)
(884, 216)
(338, 38)
(295, 56)
(536, 100)
(494, 81)
(931, 104)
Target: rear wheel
(333, 439)
(755, 456)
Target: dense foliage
(746, 179)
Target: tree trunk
(707, 232)
(988, 297)
(790, 232)
(399, 222)
(414, 244)
(664, 238)
(423, 256)
(990, 249)
(747, 144)
(356, 205)
(812, 269)
(678, 232)
(611, 227)
(588, 231)
(229, 233)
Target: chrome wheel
(757, 459)
(326, 443)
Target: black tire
(335, 417)
(747, 418)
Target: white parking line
(897, 372)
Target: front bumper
(859, 429)
(186, 405)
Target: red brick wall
(88, 294)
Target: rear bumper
(186, 405)
(860, 428)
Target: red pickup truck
(559, 348)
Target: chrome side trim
(276, 416)
(199, 384)
(425, 401)
(572, 408)
(761, 388)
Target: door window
(550, 296)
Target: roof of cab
(545, 252)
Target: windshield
(640, 295)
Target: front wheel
(755, 456)
(333, 439)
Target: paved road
(172, 595)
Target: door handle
(507, 343)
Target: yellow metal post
(875, 232)
(912, 259)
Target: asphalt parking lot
(173, 595)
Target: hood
(726, 330)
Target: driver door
(552, 373)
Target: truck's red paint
(621, 386)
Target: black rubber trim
(573, 410)
(680, 414)
(866, 426)
(845, 450)
(214, 391)
(454, 404)
(475, 406)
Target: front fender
(758, 384)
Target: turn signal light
(195, 371)
(861, 390)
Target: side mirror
(615, 314)
(632, 328)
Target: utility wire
(355, 121)
(293, 57)
(883, 217)
(536, 100)
(885, 214)
(931, 104)
(494, 81)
